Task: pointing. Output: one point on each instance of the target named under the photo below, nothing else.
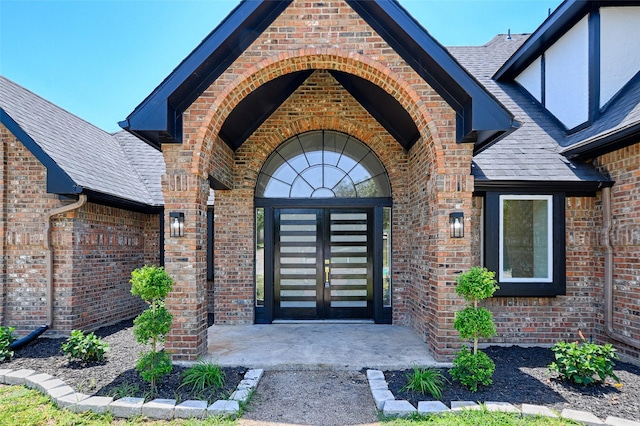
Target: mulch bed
(116, 375)
(522, 376)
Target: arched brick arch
(305, 59)
(260, 152)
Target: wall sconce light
(456, 224)
(177, 224)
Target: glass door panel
(349, 294)
(296, 268)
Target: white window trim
(549, 278)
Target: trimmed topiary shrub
(152, 284)
(473, 322)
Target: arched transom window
(323, 164)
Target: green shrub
(85, 348)
(472, 369)
(473, 322)
(582, 362)
(476, 284)
(152, 284)
(6, 338)
(425, 380)
(202, 376)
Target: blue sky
(100, 59)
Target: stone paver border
(386, 402)
(65, 397)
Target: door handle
(326, 274)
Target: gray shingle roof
(532, 151)
(117, 165)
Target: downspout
(608, 273)
(49, 250)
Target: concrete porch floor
(318, 346)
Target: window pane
(259, 257)
(386, 256)
(331, 164)
(525, 245)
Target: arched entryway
(323, 218)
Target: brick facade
(327, 36)
(623, 166)
(545, 320)
(94, 249)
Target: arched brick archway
(438, 166)
(203, 144)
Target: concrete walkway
(318, 346)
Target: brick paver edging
(65, 397)
(386, 402)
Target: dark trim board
(113, 201)
(621, 139)
(58, 181)
(555, 26)
(158, 118)
(541, 187)
(480, 117)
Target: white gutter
(49, 251)
(608, 274)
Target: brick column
(185, 259)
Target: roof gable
(529, 157)
(480, 117)
(595, 106)
(79, 157)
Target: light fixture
(456, 224)
(177, 224)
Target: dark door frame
(265, 314)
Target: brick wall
(24, 206)
(623, 166)
(94, 249)
(546, 320)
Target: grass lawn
(479, 417)
(24, 407)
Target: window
(525, 243)
(386, 256)
(260, 257)
(323, 164)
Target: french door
(323, 263)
